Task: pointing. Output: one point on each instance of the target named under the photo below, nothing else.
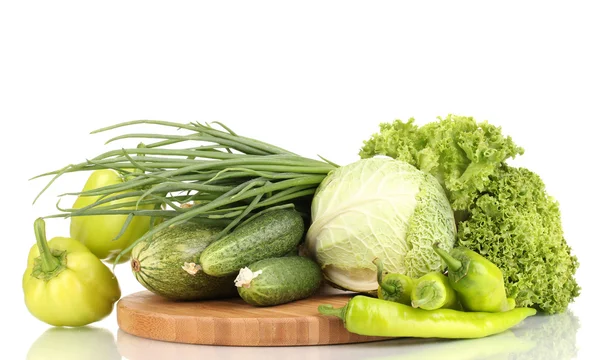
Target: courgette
(167, 265)
(271, 234)
(277, 281)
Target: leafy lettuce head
(378, 208)
(460, 152)
(517, 225)
(503, 213)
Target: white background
(313, 77)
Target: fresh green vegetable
(271, 234)
(517, 225)
(104, 234)
(393, 287)
(461, 153)
(167, 265)
(477, 281)
(433, 291)
(502, 212)
(369, 316)
(65, 284)
(277, 281)
(226, 178)
(378, 208)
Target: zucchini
(166, 265)
(271, 234)
(277, 281)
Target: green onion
(222, 177)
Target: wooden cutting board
(233, 322)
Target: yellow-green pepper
(365, 315)
(100, 233)
(478, 283)
(393, 287)
(65, 284)
(433, 291)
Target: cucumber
(277, 281)
(166, 265)
(271, 234)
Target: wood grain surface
(233, 322)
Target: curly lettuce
(458, 151)
(504, 213)
(517, 226)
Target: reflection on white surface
(555, 336)
(549, 337)
(87, 342)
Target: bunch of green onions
(212, 176)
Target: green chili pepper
(370, 316)
(433, 291)
(478, 283)
(393, 287)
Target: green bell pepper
(100, 233)
(65, 284)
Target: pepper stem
(452, 263)
(49, 261)
(386, 287)
(330, 310)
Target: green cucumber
(271, 234)
(166, 265)
(277, 281)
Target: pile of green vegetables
(164, 203)
(460, 235)
(469, 302)
(502, 212)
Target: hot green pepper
(433, 291)
(477, 281)
(102, 234)
(370, 316)
(65, 284)
(393, 287)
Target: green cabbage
(378, 208)
(504, 213)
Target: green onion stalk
(207, 175)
